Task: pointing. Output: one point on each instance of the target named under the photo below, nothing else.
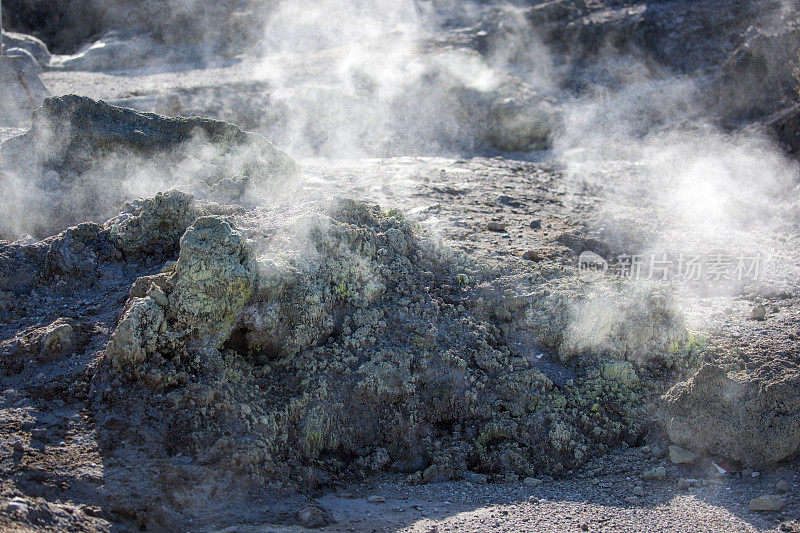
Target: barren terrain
(395, 334)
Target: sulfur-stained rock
(214, 277)
(344, 332)
(137, 333)
(153, 225)
(752, 416)
(620, 371)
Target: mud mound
(750, 416)
(82, 159)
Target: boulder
(751, 416)
(768, 503)
(82, 159)
(67, 25)
(121, 50)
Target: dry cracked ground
(199, 332)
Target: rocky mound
(337, 340)
(314, 342)
(82, 159)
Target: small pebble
(759, 312)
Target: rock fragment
(654, 474)
(214, 277)
(680, 456)
(312, 517)
(768, 503)
(153, 225)
(137, 333)
(759, 312)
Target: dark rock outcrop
(82, 159)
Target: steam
(350, 79)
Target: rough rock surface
(82, 158)
(214, 277)
(752, 415)
(118, 50)
(243, 417)
(153, 225)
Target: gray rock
(59, 337)
(34, 46)
(654, 474)
(68, 25)
(767, 503)
(81, 158)
(752, 416)
(312, 517)
(759, 312)
(22, 90)
(680, 456)
(123, 50)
